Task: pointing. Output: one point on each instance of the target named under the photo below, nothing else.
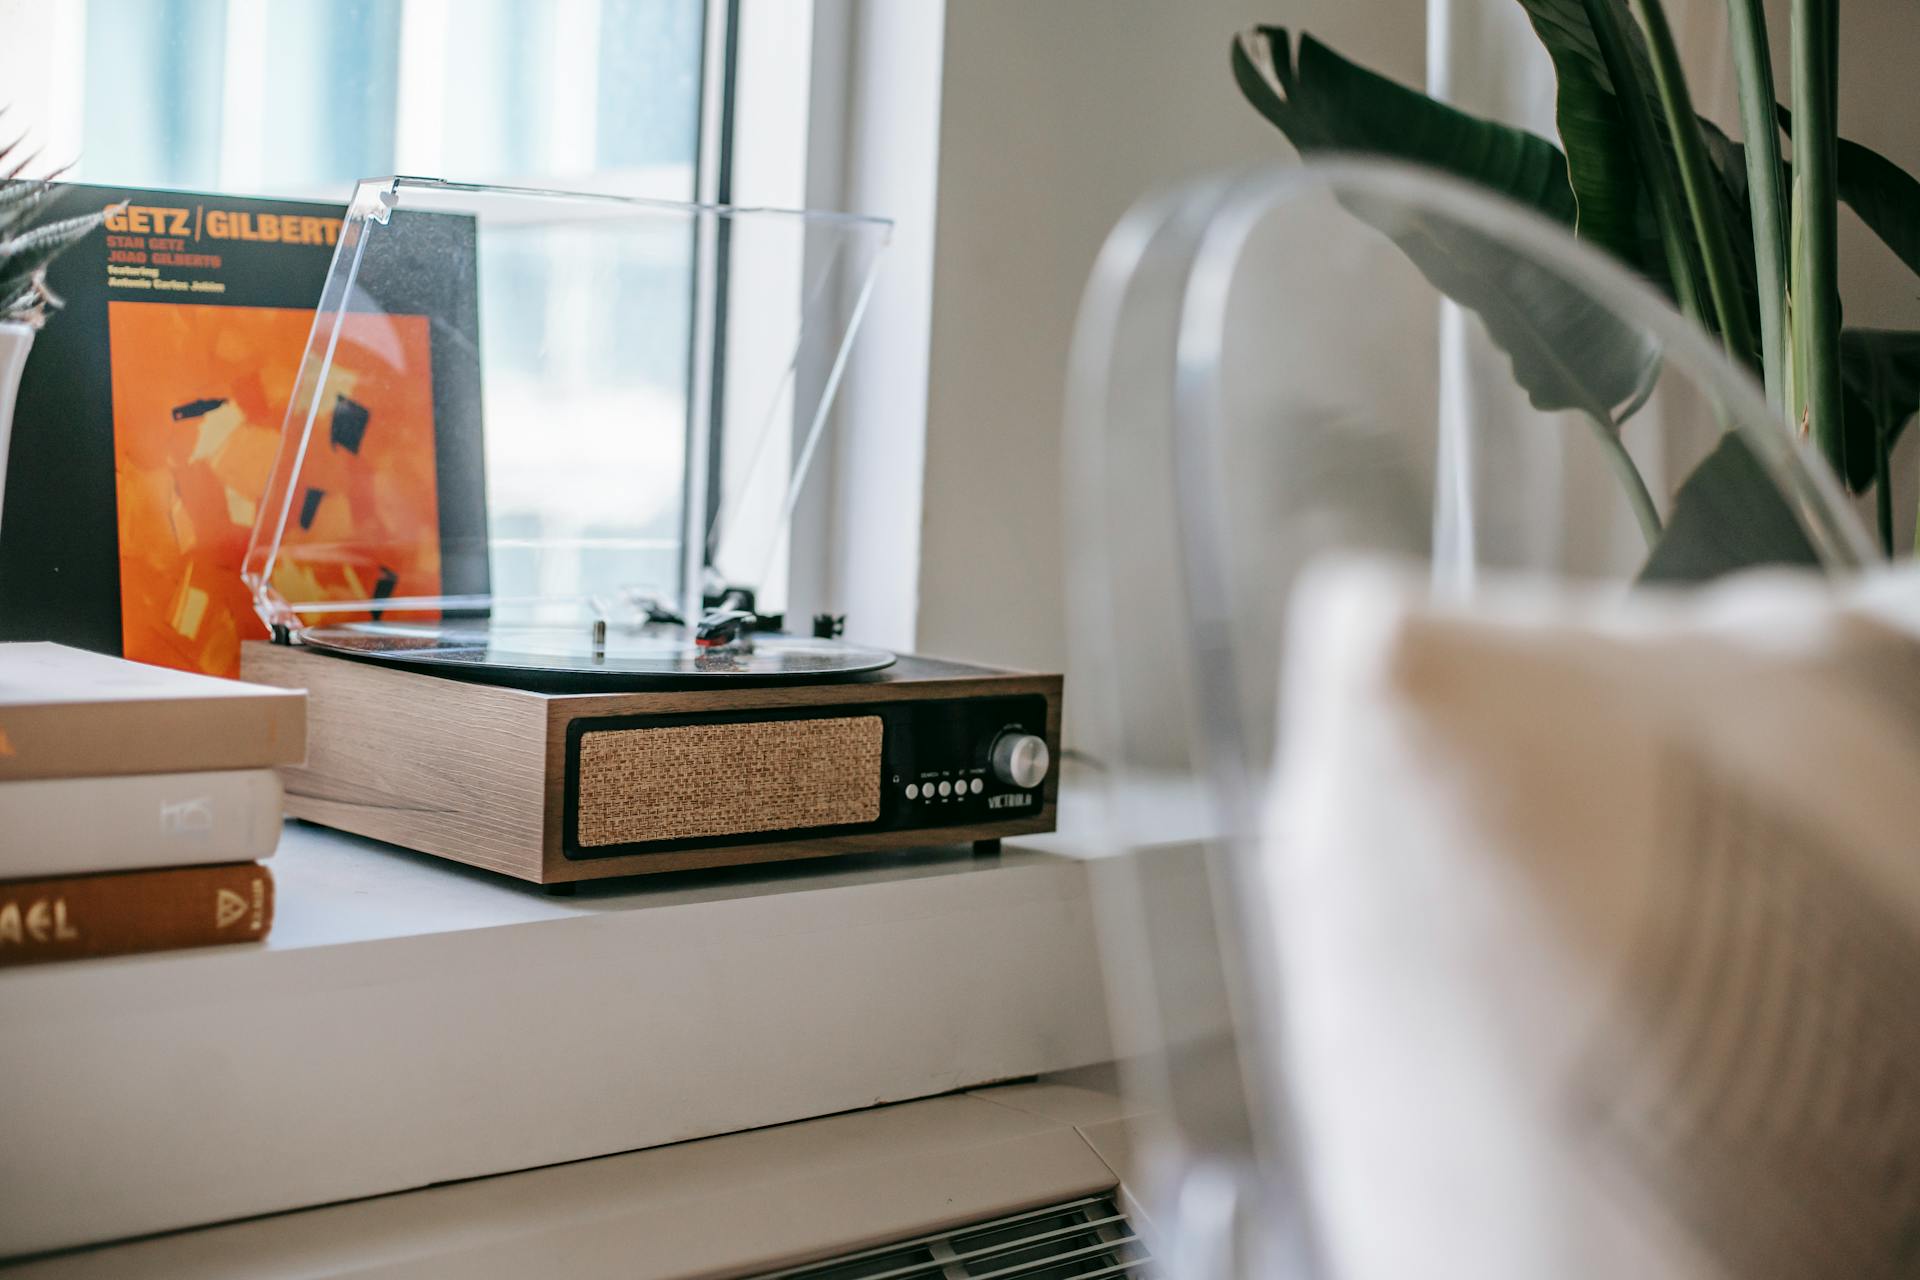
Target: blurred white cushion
(1599, 925)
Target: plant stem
(1662, 187)
(1696, 178)
(1635, 484)
(1816, 290)
(1753, 68)
(1883, 490)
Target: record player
(526, 545)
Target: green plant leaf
(1727, 515)
(1702, 186)
(1729, 162)
(15, 190)
(1886, 197)
(15, 165)
(20, 201)
(24, 304)
(22, 256)
(1765, 197)
(1324, 103)
(1613, 210)
(1567, 351)
(1617, 206)
(1880, 392)
(19, 299)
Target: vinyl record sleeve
(151, 411)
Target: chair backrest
(1349, 356)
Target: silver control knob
(1020, 759)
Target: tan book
(68, 713)
(124, 912)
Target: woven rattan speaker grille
(690, 781)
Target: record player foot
(565, 890)
(986, 848)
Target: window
(303, 97)
(300, 98)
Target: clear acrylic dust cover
(555, 416)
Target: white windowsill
(411, 1022)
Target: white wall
(1056, 118)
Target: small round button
(913, 791)
(976, 786)
(946, 789)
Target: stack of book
(136, 804)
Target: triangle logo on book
(228, 907)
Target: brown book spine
(124, 912)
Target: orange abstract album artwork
(199, 394)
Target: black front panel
(935, 772)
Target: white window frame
(873, 146)
(840, 110)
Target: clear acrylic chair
(1349, 356)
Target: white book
(75, 826)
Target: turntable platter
(479, 650)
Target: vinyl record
(628, 659)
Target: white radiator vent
(1081, 1238)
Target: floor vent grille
(1078, 1240)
